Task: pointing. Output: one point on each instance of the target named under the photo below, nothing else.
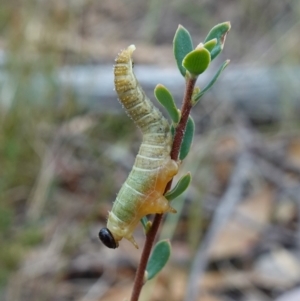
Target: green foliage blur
(33, 111)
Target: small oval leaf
(164, 96)
(144, 221)
(148, 227)
(218, 32)
(196, 97)
(210, 45)
(182, 45)
(179, 188)
(158, 259)
(197, 61)
(187, 138)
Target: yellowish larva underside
(142, 192)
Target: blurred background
(66, 147)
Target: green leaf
(197, 61)
(210, 45)
(182, 45)
(218, 32)
(211, 83)
(187, 139)
(146, 224)
(164, 96)
(179, 188)
(158, 258)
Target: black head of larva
(107, 238)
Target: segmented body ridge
(157, 138)
(142, 192)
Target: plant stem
(185, 112)
(150, 237)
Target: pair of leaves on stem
(162, 250)
(165, 98)
(191, 63)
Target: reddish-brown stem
(150, 237)
(185, 112)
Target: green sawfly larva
(142, 192)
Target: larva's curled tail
(142, 192)
(138, 106)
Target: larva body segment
(142, 192)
